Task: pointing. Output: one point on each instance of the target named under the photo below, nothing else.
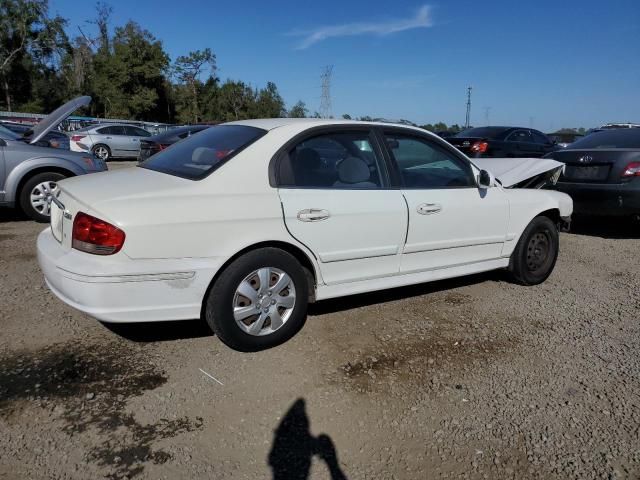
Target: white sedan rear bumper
(123, 290)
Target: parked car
(53, 139)
(602, 172)
(163, 140)
(29, 174)
(502, 142)
(107, 141)
(247, 222)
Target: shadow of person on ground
(294, 447)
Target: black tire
(221, 300)
(536, 253)
(25, 194)
(107, 149)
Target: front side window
(199, 155)
(423, 164)
(340, 160)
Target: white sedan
(245, 223)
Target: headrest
(353, 170)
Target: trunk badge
(586, 159)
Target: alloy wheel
(40, 197)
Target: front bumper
(125, 290)
(622, 199)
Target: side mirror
(486, 179)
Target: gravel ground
(469, 378)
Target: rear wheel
(102, 151)
(35, 193)
(536, 253)
(259, 301)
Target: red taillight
(631, 170)
(92, 235)
(479, 147)
(77, 138)
(162, 146)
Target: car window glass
(520, 136)
(620, 138)
(423, 164)
(199, 155)
(104, 130)
(141, 132)
(7, 134)
(540, 138)
(339, 160)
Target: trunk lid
(464, 143)
(596, 165)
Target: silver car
(109, 141)
(29, 174)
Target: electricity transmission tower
(466, 122)
(325, 99)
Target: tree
(299, 110)
(346, 116)
(188, 70)
(29, 41)
(129, 82)
(269, 103)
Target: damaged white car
(245, 223)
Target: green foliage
(128, 73)
(299, 110)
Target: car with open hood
(29, 173)
(247, 222)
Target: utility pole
(466, 122)
(325, 99)
(486, 115)
(531, 120)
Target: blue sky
(548, 64)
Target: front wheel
(35, 193)
(536, 253)
(259, 301)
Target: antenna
(325, 99)
(487, 110)
(466, 122)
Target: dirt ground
(468, 378)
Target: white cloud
(422, 19)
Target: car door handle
(313, 215)
(429, 208)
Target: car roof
(272, 123)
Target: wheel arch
(308, 265)
(35, 171)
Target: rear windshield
(622, 138)
(199, 155)
(482, 132)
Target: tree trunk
(194, 87)
(7, 97)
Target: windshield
(199, 155)
(7, 134)
(482, 132)
(622, 138)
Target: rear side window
(340, 160)
(520, 136)
(424, 165)
(197, 156)
(622, 138)
(540, 138)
